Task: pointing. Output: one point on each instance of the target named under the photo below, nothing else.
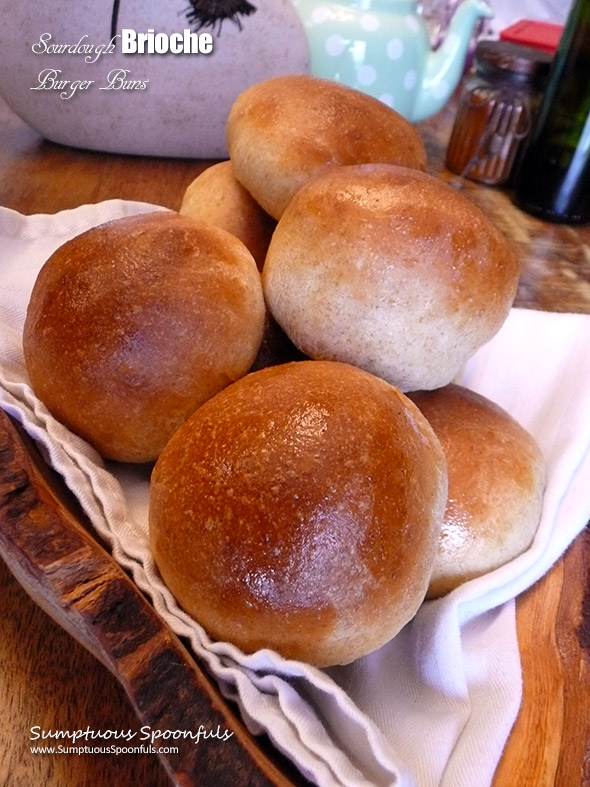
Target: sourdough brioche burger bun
(135, 323)
(299, 510)
(215, 196)
(389, 269)
(283, 131)
(496, 482)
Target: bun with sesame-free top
(285, 130)
(299, 510)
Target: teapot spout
(444, 66)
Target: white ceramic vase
(182, 108)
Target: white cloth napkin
(432, 708)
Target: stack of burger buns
(283, 348)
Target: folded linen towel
(432, 708)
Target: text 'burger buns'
(285, 130)
(389, 269)
(496, 482)
(135, 323)
(299, 509)
(215, 196)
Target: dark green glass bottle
(553, 180)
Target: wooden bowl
(46, 543)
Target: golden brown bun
(215, 196)
(299, 510)
(389, 269)
(135, 323)
(285, 130)
(496, 483)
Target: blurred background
(438, 13)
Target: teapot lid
(514, 58)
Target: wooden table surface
(47, 679)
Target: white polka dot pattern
(385, 53)
(367, 75)
(410, 79)
(335, 45)
(395, 48)
(370, 22)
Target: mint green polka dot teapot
(382, 47)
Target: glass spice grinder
(496, 109)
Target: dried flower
(204, 13)
(212, 13)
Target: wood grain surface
(46, 540)
(46, 678)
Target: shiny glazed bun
(215, 196)
(496, 482)
(299, 510)
(283, 131)
(389, 269)
(135, 323)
